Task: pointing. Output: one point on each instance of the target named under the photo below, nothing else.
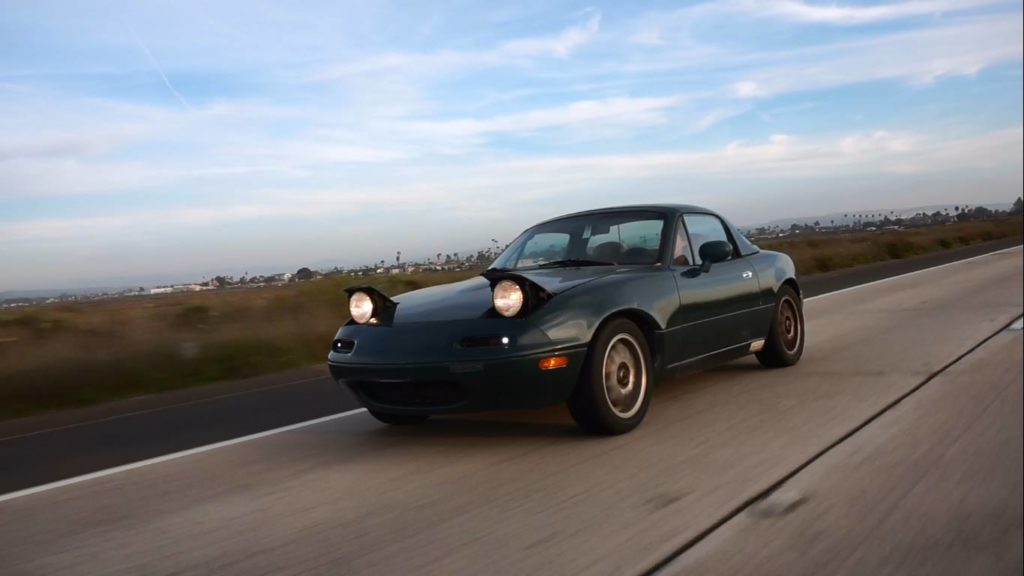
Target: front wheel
(614, 390)
(398, 419)
(785, 343)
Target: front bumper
(460, 386)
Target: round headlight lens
(508, 298)
(360, 307)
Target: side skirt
(713, 359)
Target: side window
(681, 255)
(544, 247)
(634, 242)
(704, 228)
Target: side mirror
(714, 252)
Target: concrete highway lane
(524, 493)
(62, 445)
(944, 477)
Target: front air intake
(343, 345)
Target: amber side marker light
(552, 362)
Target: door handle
(748, 275)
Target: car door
(715, 307)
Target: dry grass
(814, 253)
(74, 354)
(68, 355)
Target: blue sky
(185, 138)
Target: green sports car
(590, 309)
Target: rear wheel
(785, 343)
(614, 390)
(398, 419)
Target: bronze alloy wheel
(625, 375)
(785, 342)
(789, 324)
(614, 389)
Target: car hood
(472, 298)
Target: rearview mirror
(714, 252)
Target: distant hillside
(841, 218)
(53, 293)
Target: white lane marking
(215, 446)
(161, 408)
(172, 456)
(859, 286)
(1018, 324)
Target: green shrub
(899, 249)
(193, 316)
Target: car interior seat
(608, 251)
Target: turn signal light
(552, 362)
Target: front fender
(572, 317)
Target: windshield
(601, 239)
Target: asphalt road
(943, 490)
(900, 428)
(53, 447)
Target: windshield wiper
(573, 262)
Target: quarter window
(681, 250)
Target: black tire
(785, 343)
(592, 404)
(398, 419)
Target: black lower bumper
(444, 388)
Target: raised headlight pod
(508, 298)
(360, 307)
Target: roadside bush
(193, 316)
(899, 249)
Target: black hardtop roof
(664, 208)
(745, 246)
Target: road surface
(872, 456)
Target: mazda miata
(590, 309)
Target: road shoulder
(933, 486)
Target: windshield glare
(614, 238)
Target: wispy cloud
(718, 115)
(849, 13)
(665, 27)
(159, 69)
(619, 111)
(778, 158)
(560, 45)
(918, 56)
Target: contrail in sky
(159, 69)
